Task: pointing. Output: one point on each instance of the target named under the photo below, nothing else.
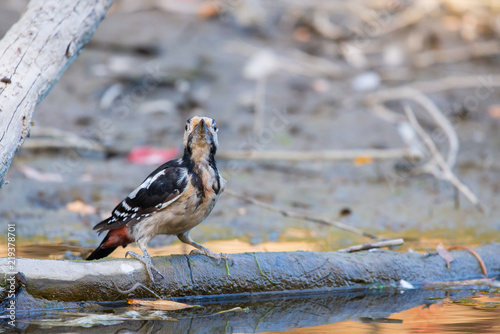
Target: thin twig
(378, 244)
(259, 105)
(442, 121)
(298, 62)
(135, 287)
(296, 215)
(457, 54)
(447, 284)
(444, 172)
(375, 100)
(53, 138)
(476, 255)
(396, 153)
(433, 86)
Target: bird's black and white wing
(160, 189)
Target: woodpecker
(172, 200)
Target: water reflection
(410, 311)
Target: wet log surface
(198, 277)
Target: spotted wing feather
(161, 188)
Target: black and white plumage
(172, 200)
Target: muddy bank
(252, 272)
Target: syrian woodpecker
(172, 200)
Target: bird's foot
(209, 253)
(147, 262)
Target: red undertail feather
(114, 238)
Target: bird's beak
(203, 132)
(201, 127)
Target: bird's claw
(218, 257)
(227, 258)
(149, 265)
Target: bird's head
(200, 137)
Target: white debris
(261, 65)
(366, 81)
(406, 285)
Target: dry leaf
(302, 34)
(359, 161)
(451, 22)
(166, 305)
(494, 111)
(81, 208)
(444, 254)
(208, 9)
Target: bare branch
(296, 215)
(316, 155)
(456, 54)
(442, 121)
(378, 244)
(443, 171)
(433, 86)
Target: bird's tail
(101, 252)
(114, 238)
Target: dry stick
(317, 155)
(368, 14)
(445, 172)
(34, 53)
(476, 255)
(298, 62)
(297, 215)
(442, 121)
(378, 244)
(448, 284)
(259, 105)
(46, 137)
(324, 25)
(456, 54)
(135, 287)
(432, 86)
(375, 100)
(411, 15)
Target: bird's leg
(146, 259)
(186, 238)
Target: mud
(192, 51)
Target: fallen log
(197, 276)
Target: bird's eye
(186, 127)
(215, 127)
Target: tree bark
(34, 53)
(282, 272)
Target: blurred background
(287, 76)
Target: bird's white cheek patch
(126, 268)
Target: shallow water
(473, 308)
(462, 309)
